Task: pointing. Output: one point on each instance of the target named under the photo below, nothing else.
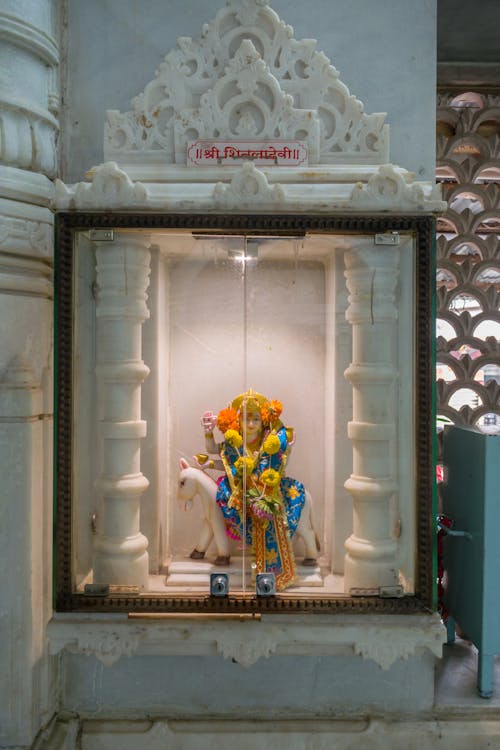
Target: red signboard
(261, 153)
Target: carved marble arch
(191, 94)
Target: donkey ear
(183, 463)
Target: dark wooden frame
(423, 227)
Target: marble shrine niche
(245, 249)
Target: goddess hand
(208, 421)
(203, 461)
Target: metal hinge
(387, 238)
(96, 589)
(107, 589)
(102, 235)
(391, 592)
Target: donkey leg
(306, 533)
(203, 541)
(221, 540)
(222, 560)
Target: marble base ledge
(383, 639)
(369, 734)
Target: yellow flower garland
(242, 463)
(270, 477)
(271, 444)
(234, 438)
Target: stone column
(123, 267)
(28, 129)
(371, 273)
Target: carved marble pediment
(387, 188)
(247, 80)
(247, 102)
(246, 74)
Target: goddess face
(252, 426)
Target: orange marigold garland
(227, 419)
(271, 411)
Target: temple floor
(456, 677)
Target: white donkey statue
(194, 481)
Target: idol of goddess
(260, 504)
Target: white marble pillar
(28, 130)
(29, 57)
(371, 273)
(120, 549)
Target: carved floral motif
(375, 638)
(388, 190)
(106, 645)
(21, 233)
(248, 186)
(110, 188)
(163, 116)
(386, 651)
(248, 647)
(26, 252)
(247, 102)
(40, 237)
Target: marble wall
(29, 59)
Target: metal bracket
(106, 589)
(102, 235)
(387, 238)
(391, 592)
(96, 589)
(385, 592)
(357, 591)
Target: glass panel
(227, 315)
(250, 312)
(204, 339)
(168, 329)
(286, 358)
